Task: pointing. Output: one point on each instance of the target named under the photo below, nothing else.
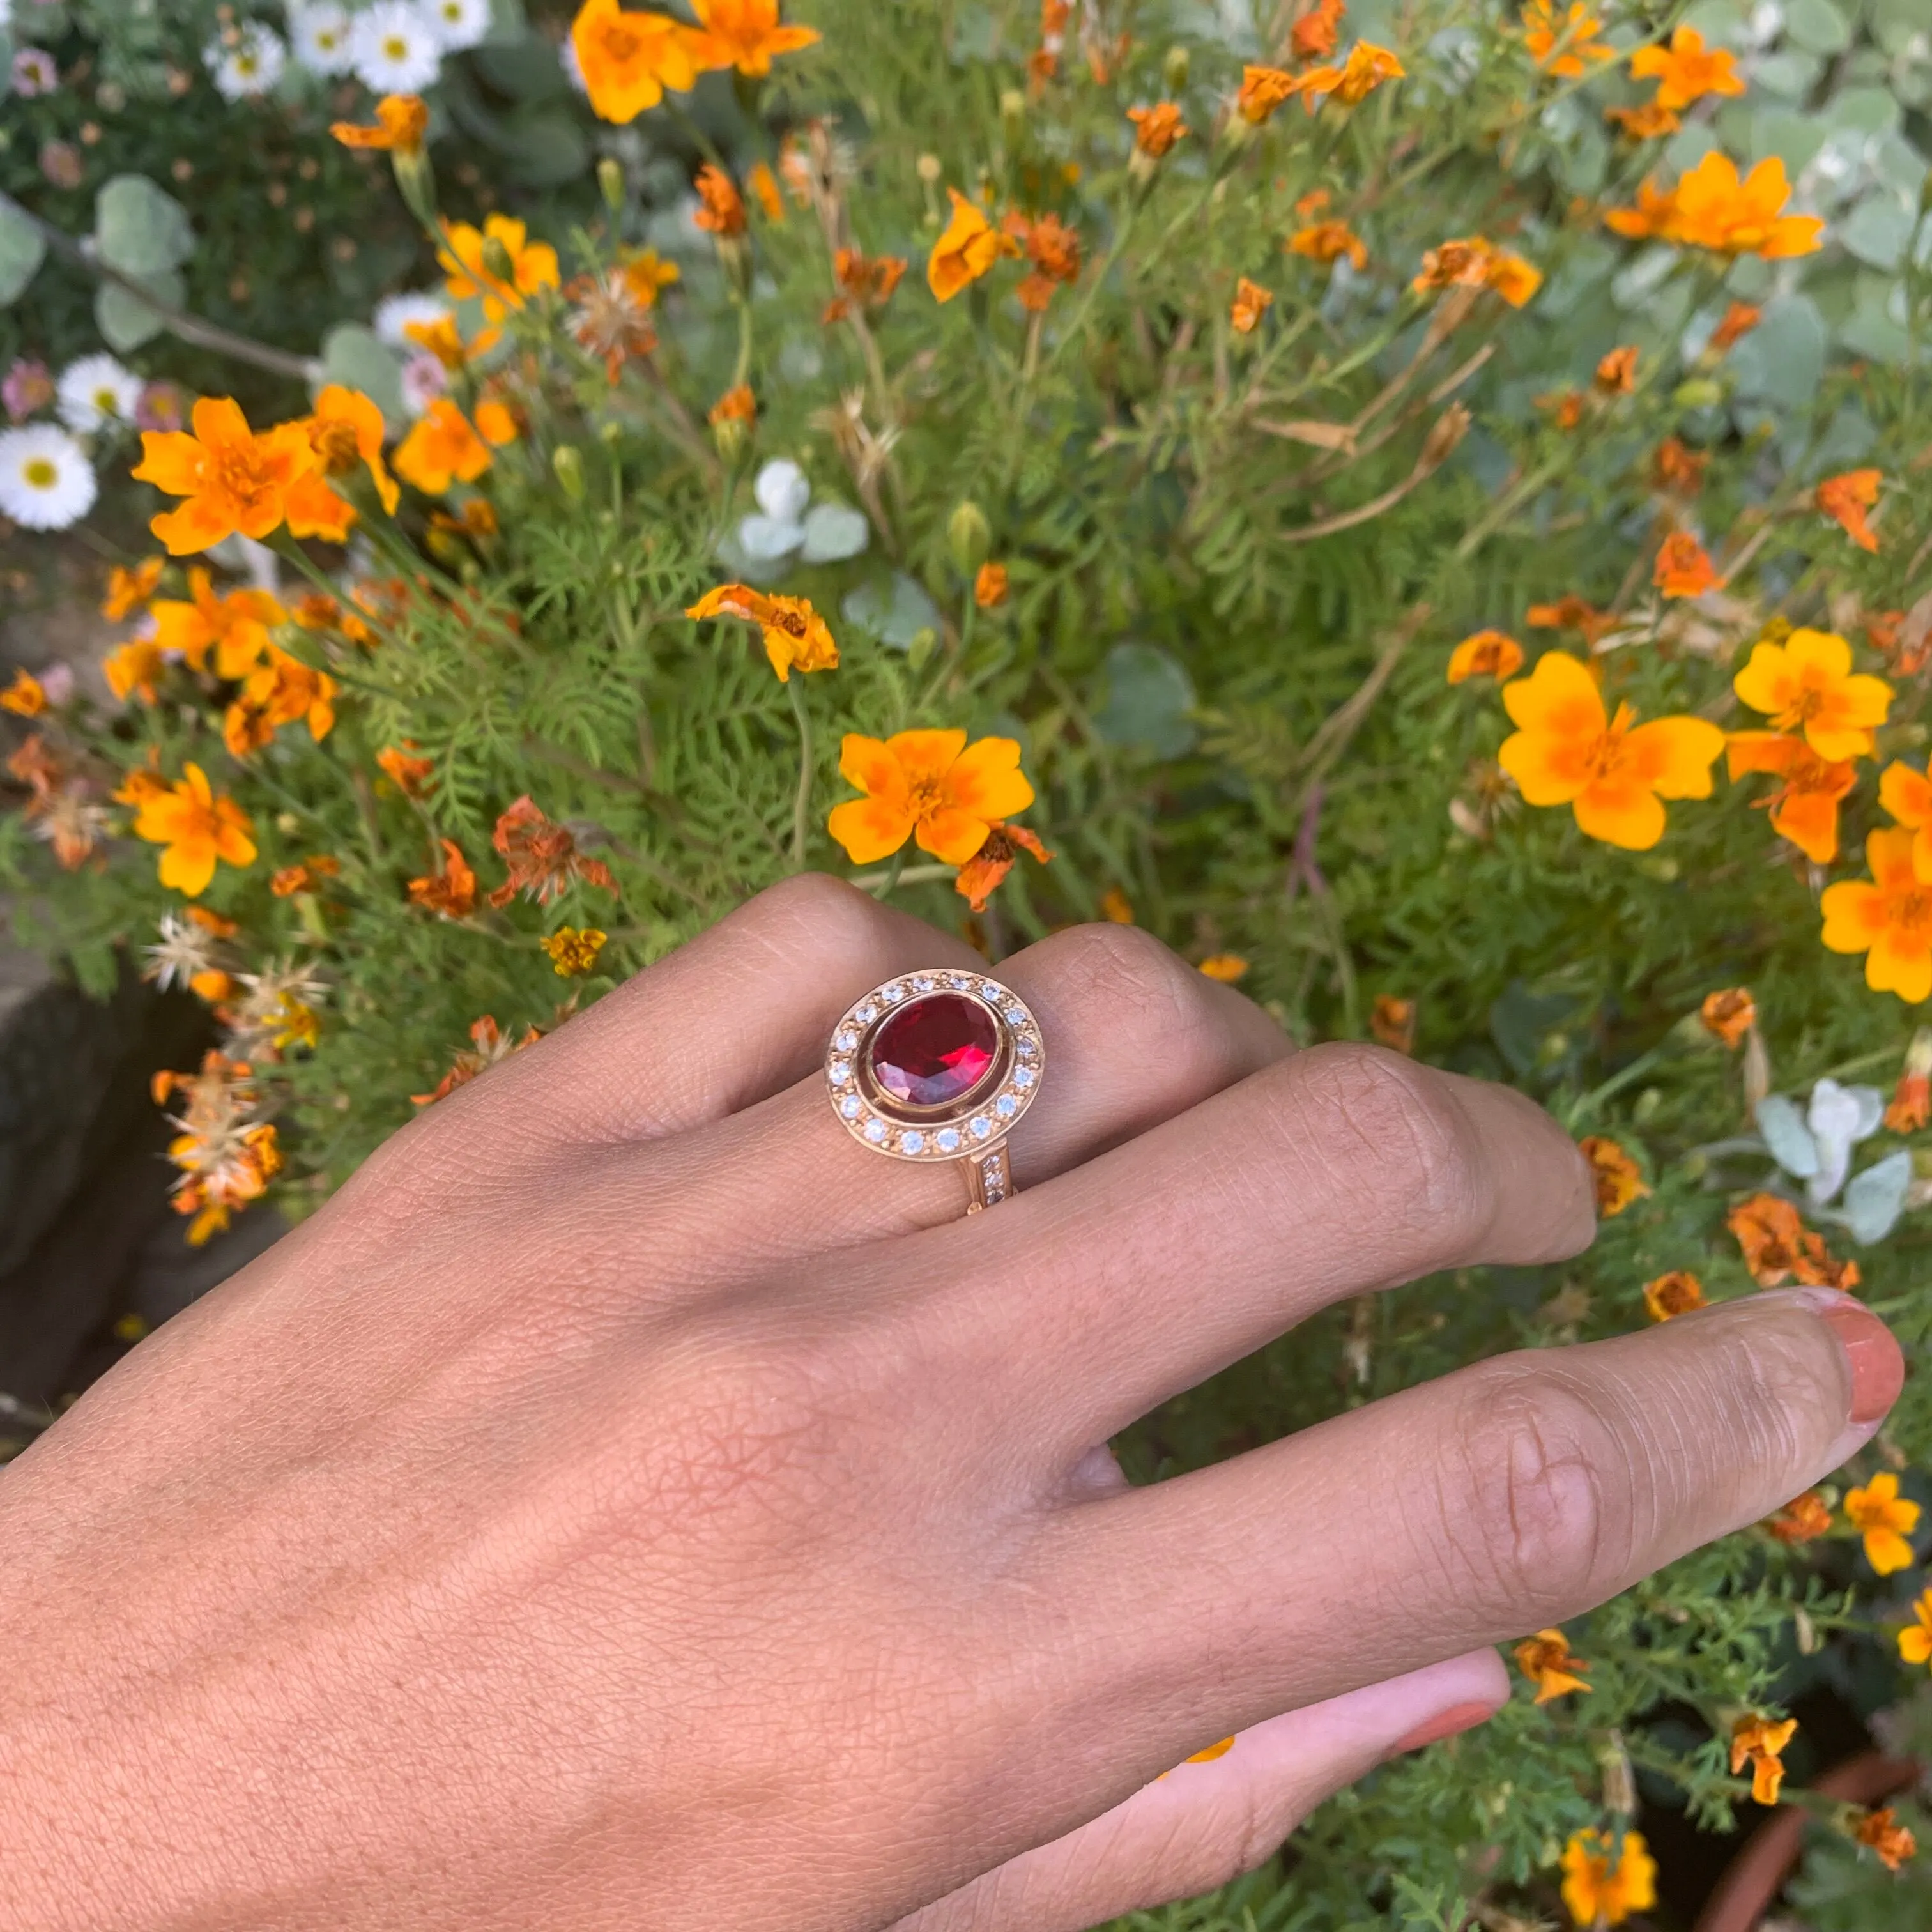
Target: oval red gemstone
(934, 1051)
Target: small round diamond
(875, 1131)
(995, 991)
(841, 1071)
(1026, 1049)
(851, 1106)
(912, 1143)
(1006, 1106)
(846, 1038)
(981, 1126)
(947, 1140)
(923, 983)
(1023, 1076)
(1016, 1016)
(893, 994)
(866, 1014)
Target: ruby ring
(938, 1066)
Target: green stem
(801, 809)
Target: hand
(632, 1502)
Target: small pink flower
(34, 73)
(161, 407)
(61, 164)
(28, 387)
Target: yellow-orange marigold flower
(1685, 70)
(1738, 321)
(1684, 567)
(233, 479)
(1604, 1881)
(130, 592)
(1565, 46)
(990, 585)
(968, 249)
(26, 697)
(629, 59)
(1157, 128)
(1618, 1180)
(1803, 1519)
(1759, 1743)
(1392, 1020)
(137, 666)
(532, 264)
(1116, 908)
(1728, 1015)
(407, 772)
(1225, 967)
(444, 341)
(1325, 241)
(1546, 1660)
(1365, 70)
(746, 35)
(1648, 122)
(721, 208)
(796, 636)
(1885, 1519)
(865, 281)
(197, 828)
(1485, 654)
(931, 786)
(1678, 468)
(735, 405)
(986, 872)
(280, 692)
(1251, 302)
(1570, 614)
(1615, 773)
(1879, 1832)
(1712, 207)
(1806, 684)
(1312, 37)
(1616, 373)
(1846, 499)
(1473, 262)
(1906, 794)
(1263, 90)
(235, 628)
(442, 448)
(1911, 1106)
(452, 893)
(346, 432)
(1915, 1642)
(1053, 248)
(573, 950)
(1677, 1292)
(401, 121)
(1777, 1247)
(1805, 807)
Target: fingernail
(1449, 1723)
(1878, 1363)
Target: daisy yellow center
(395, 47)
(41, 472)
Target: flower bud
(1013, 116)
(929, 170)
(416, 182)
(568, 465)
(730, 433)
(1174, 69)
(969, 538)
(1699, 393)
(610, 183)
(925, 642)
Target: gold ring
(938, 1066)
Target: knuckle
(1129, 973)
(825, 911)
(1535, 1501)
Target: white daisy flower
(96, 391)
(394, 50)
(457, 24)
(321, 35)
(394, 314)
(45, 480)
(251, 65)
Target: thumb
(1205, 1822)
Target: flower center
(238, 473)
(335, 443)
(395, 47)
(40, 473)
(621, 43)
(926, 796)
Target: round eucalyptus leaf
(140, 229)
(833, 532)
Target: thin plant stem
(801, 809)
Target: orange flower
(930, 786)
(1684, 567)
(1728, 1015)
(1473, 262)
(1157, 128)
(346, 431)
(721, 209)
(542, 855)
(1263, 90)
(796, 636)
(1803, 1519)
(450, 893)
(573, 950)
(441, 449)
(1616, 373)
(628, 60)
(1313, 36)
(1614, 771)
(1604, 1880)
(532, 264)
(1227, 967)
(1778, 1247)
(1915, 1644)
(1392, 1021)
(865, 281)
(968, 248)
(293, 879)
(1486, 654)
(1911, 1106)
(1251, 302)
(1889, 918)
(1885, 1519)
(1806, 683)
(401, 121)
(981, 875)
(233, 479)
(1712, 208)
(1685, 71)
(26, 697)
(1566, 410)
(197, 828)
(736, 405)
(1564, 47)
(990, 585)
(1846, 499)
(137, 666)
(1618, 1181)
(645, 272)
(129, 592)
(1570, 614)
(407, 772)
(1115, 906)
(489, 1045)
(1906, 794)
(1325, 241)
(1759, 1743)
(1678, 468)
(1365, 70)
(282, 691)
(1739, 319)
(1053, 248)
(745, 35)
(1678, 1292)
(1546, 1660)
(236, 627)
(444, 341)
(1804, 808)
(1878, 1831)
(1648, 122)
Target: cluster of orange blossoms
(629, 59)
(1685, 71)
(1546, 1660)
(227, 1153)
(1607, 1878)
(1713, 207)
(1778, 1247)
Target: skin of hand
(630, 1503)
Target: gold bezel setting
(969, 1127)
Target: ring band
(938, 1066)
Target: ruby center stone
(935, 1050)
